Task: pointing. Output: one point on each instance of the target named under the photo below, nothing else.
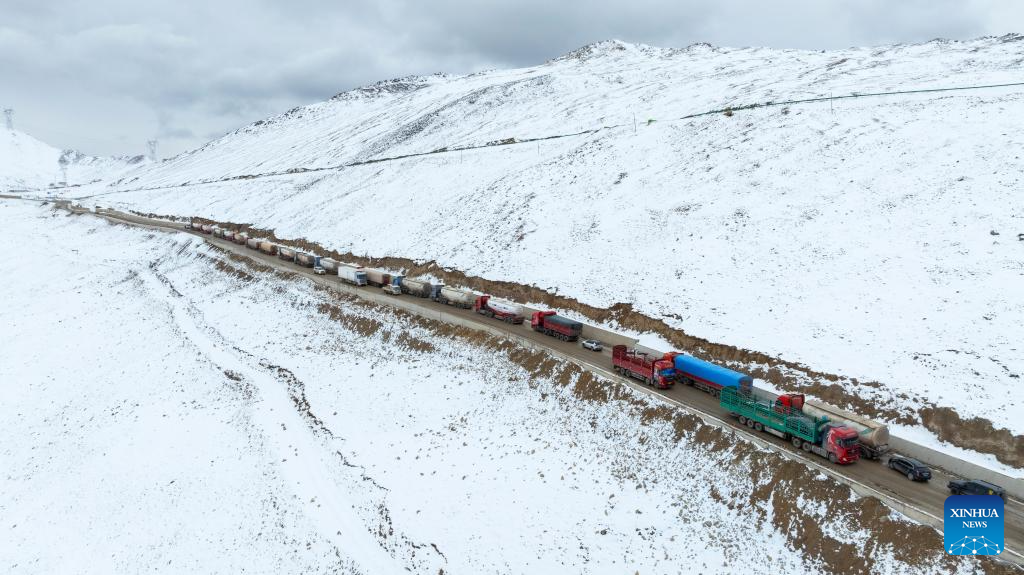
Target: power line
(585, 132)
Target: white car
(592, 344)
(319, 271)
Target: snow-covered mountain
(26, 162)
(874, 237)
(181, 411)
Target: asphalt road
(928, 497)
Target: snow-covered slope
(871, 237)
(167, 408)
(26, 162)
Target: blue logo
(973, 525)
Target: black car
(912, 468)
(975, 487)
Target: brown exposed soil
(948, 425)
(976, 434)
(780, 483)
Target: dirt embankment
(786, 492)
(977, 434)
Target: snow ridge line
(514, 141)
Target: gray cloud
(107, 75)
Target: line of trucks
(837, 435)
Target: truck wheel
(806, 446)
(743, 420)
(796, 442)
(758, 426)
(832, 457)
(750, 423)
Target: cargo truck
(547, 322)
(330, 266)
(505, 311)
(287, 254)
(784, 417)
(383, 279)
(456, 297)
(351, 274)
(660, 373)
(708, 376)
(241, 238)
(206, 229)
(421, 287)
(252, 244)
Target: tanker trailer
(873, 436)
(252, 244)
(206, 229)
(456, 297)
(505, 311)
(287, 254)
(269, 248)
(421, 287)
(709, 377)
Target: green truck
(783, 417)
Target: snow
(855, 237)
(27, 163)
(166, 408)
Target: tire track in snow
(310, 473)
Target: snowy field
(27, 163)
(872, 238)
(168, 409)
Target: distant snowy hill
(26, 162)
(874, 237)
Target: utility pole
(9, 113)
(634, 122)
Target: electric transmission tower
(9, 114)
(62, 162)
(152, 149)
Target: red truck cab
(660, 373)
(844, 443)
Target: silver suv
(592, 344)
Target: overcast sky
(105, 76)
